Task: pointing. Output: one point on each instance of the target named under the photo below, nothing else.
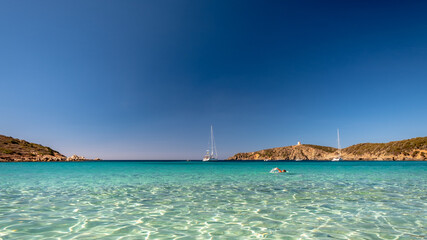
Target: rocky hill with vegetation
(410, 149)
(17, 150)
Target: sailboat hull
(209, 159)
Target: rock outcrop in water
(16, 150)
(405, 150)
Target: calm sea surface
(203, 200)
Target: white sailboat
(336, 159)
(211, 154)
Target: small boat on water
(211, 154)
(338, 158)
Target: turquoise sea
(213, 200)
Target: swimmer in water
(279, 170)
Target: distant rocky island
(414, 149)
(17, 150)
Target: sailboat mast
(212, 152)
(338, 139)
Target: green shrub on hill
(323, 148)
(7, 151)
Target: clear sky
(146, 79)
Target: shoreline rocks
(76, 158)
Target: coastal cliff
(17, 150)
(405, 150)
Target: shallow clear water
(202, 200)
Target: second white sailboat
(336, 159)
(211, 154)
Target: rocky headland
(17, 150)
(414, 149)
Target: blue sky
(146, 79)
